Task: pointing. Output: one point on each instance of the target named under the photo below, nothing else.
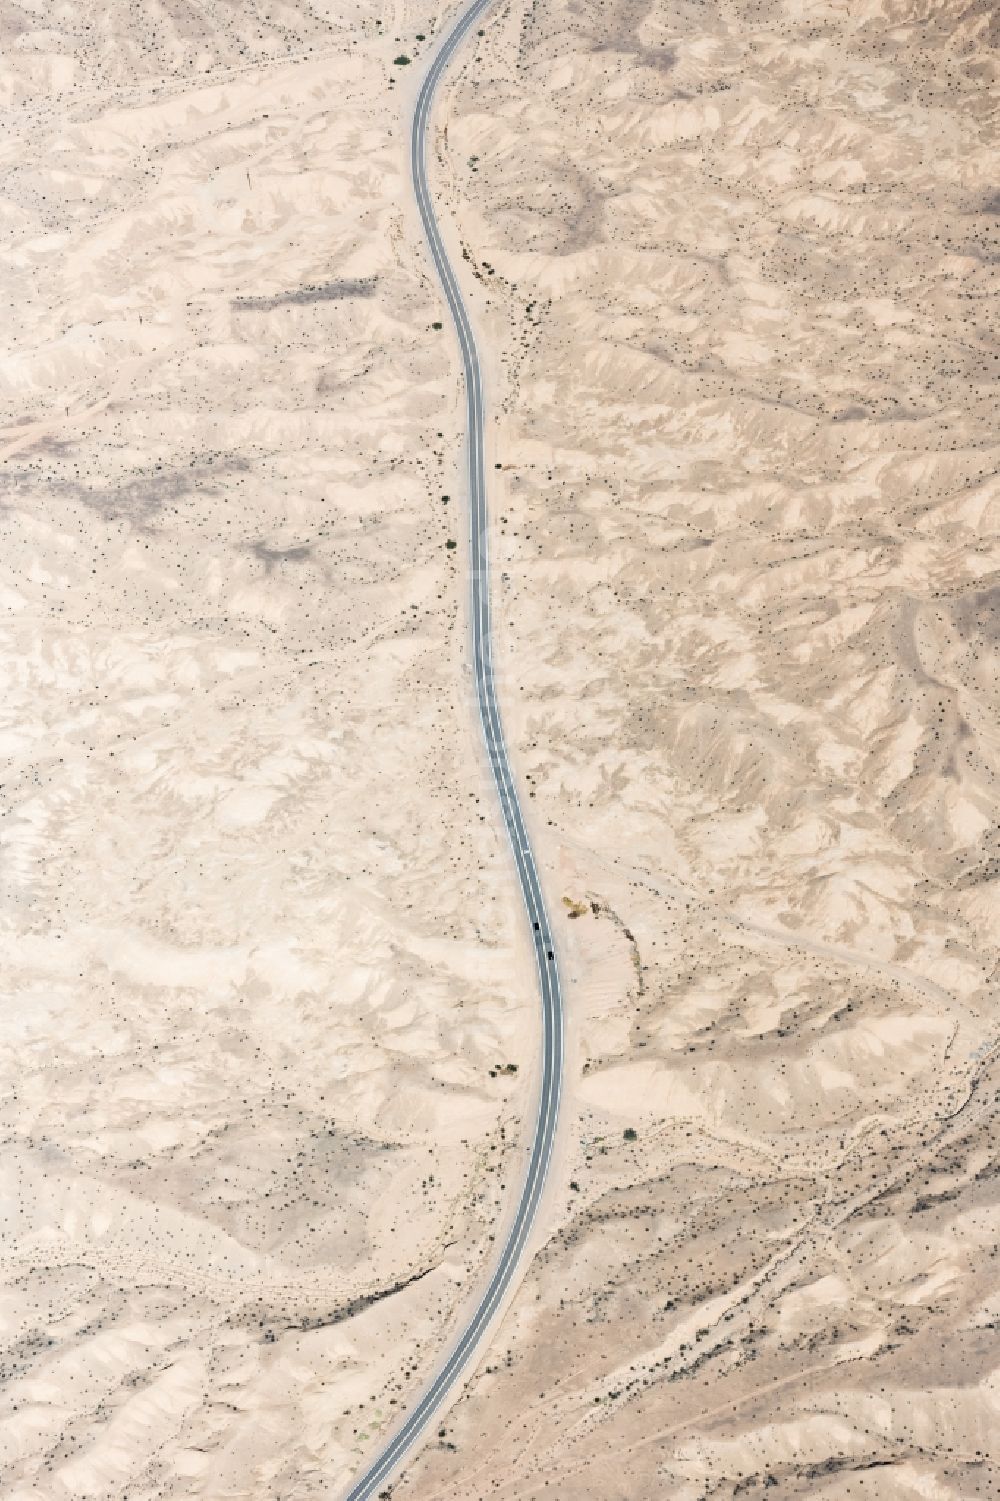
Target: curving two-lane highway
(461, 1354)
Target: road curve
(462, 1352)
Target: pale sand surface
(259, 947)
(734, 275)
(739, 266)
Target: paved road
(462, 1353)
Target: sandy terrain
(264, 971)
(739, 268)
(260, 956)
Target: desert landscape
(270, 1041)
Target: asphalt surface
(462, 1353)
